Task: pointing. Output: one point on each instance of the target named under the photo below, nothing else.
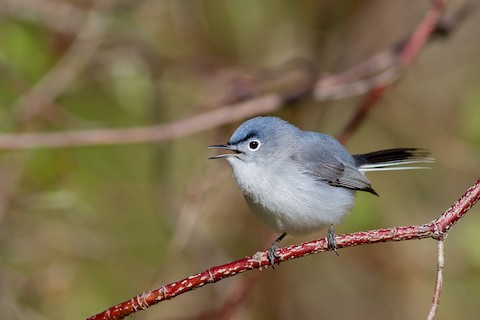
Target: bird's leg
(331, 243)
(272, 251)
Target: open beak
(224, 147)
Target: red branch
(436, 229)
(408, 52)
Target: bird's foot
(331, 242)
(272, 251)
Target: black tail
(392, 159)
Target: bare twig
(447, 25)
(182, 128)
(357, 80)
(332, 88)
(65, 71)
(57, 15)
(436, 229)
(438, 282)
(372, 76)
(409, 52)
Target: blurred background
(84, 228)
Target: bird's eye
(254, 145)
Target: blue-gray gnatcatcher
(298, 181)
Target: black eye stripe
(250, 135)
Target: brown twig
(373, 76)
(356, 80)
(182, 128)
(86, 43)
(438, 282)
(49, 13)
(447, 25)
(409, 51)
(328, 87)
(333, 88)
(436, 229)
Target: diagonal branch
(408, 53)
(182, 128)
(372, 77)
(436, 229)
(60, 16)
(86, 43)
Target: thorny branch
(235, 299)
(373, 76)
(436, 229)
(381, 71)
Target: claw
(272, 254)
(272, 251)
(331, 242)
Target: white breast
(291, 202)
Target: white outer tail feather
(395, 165)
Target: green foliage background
(84, 228)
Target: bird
(298, 182)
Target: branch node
(394, 233)
(437, 233)
(163, 291)
(258, 258)
(141, 304)
(210, 276)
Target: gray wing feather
(343, 175)
(326, 159)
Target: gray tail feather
(393, 159)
